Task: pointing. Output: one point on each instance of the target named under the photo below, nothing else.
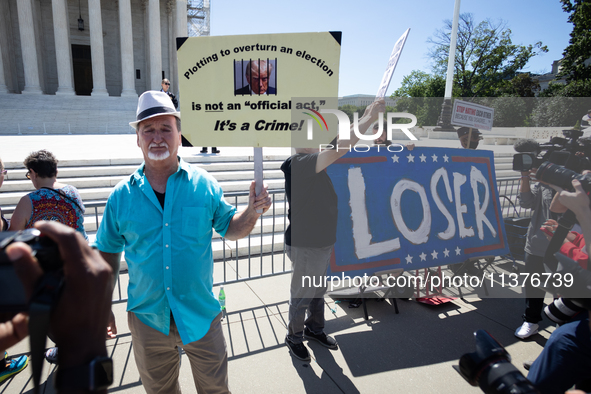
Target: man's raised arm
(327, 157)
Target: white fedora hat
(153, 103)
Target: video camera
(47, 253)
(560, 151)
(490, 368)
(46, 293)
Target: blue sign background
(382, 171)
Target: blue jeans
(308, 286)
(566, 358)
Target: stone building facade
(89, 47)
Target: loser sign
(415, 209)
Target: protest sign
(472, 115)
(239, 90)
(414, 209)
(396, 51)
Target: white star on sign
(423, 158)
(410, 158)
(434, 157)
(434, 255)
(446, 252)
(423, 256)
(395, 159)
(445, 158)
(458, 250)
(408, 259)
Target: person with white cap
(162, 217)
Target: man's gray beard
(155, 156)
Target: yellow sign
(239, 90)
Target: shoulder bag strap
(64, 195)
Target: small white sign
(392, 64)
(472, 115)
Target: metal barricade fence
(245, 260)
(508, 189)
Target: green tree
(349, 110)
(421, 95)
(421, 84)
(575, 65)
(486, 57)
(522, 85)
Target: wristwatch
(96, 376)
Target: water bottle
(222, 299)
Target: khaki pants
(157, 358)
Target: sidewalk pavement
(410, 352)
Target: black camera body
(490, 368)
(44, 249)
(560, 151)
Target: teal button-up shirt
(168, 251)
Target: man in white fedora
(162, 217)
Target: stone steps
(95, 180)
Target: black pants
(534, 296)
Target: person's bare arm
(578, 202)
(524, 186)
(2, 225)
(21, 214)
(327, 157)
(114, 260)
(556, 206)
(243, 222)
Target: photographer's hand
(578, 202)
(79, 321)
(13, 330)
(524, 186)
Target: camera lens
(561, 176)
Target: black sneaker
(322, 338)
(298, 350)
(204, 150)
(215, 150)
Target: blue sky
(371, 27)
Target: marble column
(3, 87)
(171, 46)
(180, 30)
(97, 50)
(126, 37)
(63, 55)
(28, 46)
(155, 45)
(181, 18)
